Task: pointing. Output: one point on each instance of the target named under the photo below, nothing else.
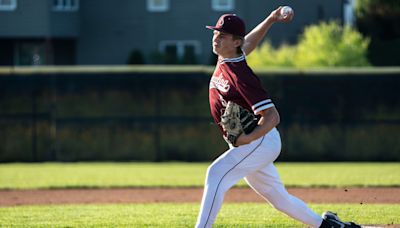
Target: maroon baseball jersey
(233, 80)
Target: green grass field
(180, 215)
(105, 175)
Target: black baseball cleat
(331, 220)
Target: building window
(180, 52)
(8, 5)
(30, 53)
(348, 12)
(157, 5)
(65, 5)
(223, 5)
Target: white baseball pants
(254, 162)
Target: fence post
(53, 120)
(157, 131)
(34, 125)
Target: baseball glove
(237, 120)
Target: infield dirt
(179, 195)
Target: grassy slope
(97, 175)
(180, 215)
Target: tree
(378, 19)
(136, 57)
(330, 44)
(322, 45)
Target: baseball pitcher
(247, 118)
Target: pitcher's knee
(214, 174)
(220, 178)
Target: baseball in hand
(287, 13)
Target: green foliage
(267, 56)
(322, 45)
(186, 137)
(183, 215)
(136, 57)
(101, 143)
(189, 57)
(362, 143)
(128, 117)
(329, 44)
(379, 20)
(377, 7)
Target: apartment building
(105, 32)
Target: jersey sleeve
(249, 86)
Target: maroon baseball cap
(230, 23)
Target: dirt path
(155, 195)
